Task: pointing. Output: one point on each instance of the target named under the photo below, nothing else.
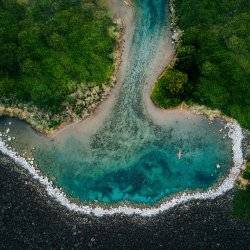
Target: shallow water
(130, 158)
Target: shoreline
(235, 134)
(196, 224)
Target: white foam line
(236, 135)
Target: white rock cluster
(176, 32)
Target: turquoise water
(130, 158)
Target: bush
(168, 90)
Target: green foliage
(169, 89)
(246, 173)
(48, 47)
(215, 55)
(242, 198)
(242, 203)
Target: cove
(131, 158)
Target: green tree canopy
(49, 47)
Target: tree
(174, 82)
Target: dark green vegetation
(169, 87)
(49, 47)
(213, 58)
(242, 198)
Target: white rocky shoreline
(235, 134)
(176, 31)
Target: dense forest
(213, 58)
(48, 47)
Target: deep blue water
(130, 158)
